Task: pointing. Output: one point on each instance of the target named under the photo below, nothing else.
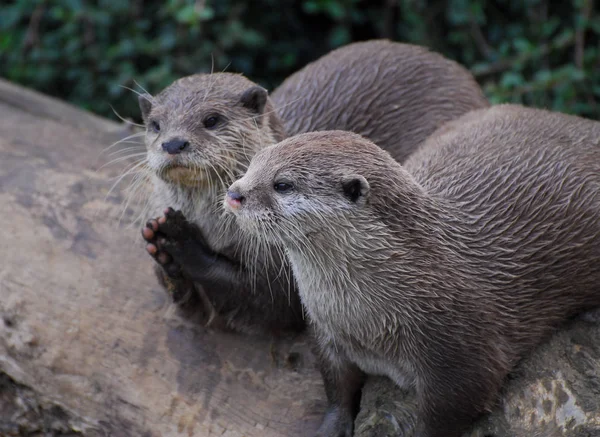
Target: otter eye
(282, 187)
(210, 122)
(155, 126)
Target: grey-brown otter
(203, 130)
(441, 273)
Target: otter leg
(242, 300)
(181, 289)
(184, 243)
(452, 397)
(343, 382)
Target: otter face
(203, 129)
(291, 191)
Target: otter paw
(183, 241)
(175, 226)
(151, 234)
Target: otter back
(392, 93)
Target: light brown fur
(441, 273)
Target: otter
(394, 94)
(203, 130)
(441, 273)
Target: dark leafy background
(543, 53)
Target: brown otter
(203, 130)
(201, 133)
(441, 273)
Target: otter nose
(175, 146)
(234, 199)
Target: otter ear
(145, 102)
(255, 99)
(355, 188)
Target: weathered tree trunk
(89, 344)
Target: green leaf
(187, 14)
(340, 35)
(511, 79)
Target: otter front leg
(454, 393)
(184, 243)
(343, 382)
(242, 301)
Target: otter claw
(156, 245)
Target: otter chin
(193, 176)
(183, 175)
(441, 273)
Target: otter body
(203, 130)
(392, 93)
(441, 273)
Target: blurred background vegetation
(544, 53)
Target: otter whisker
(268, 261)
(124, 120)
(212, 77)
(122, 140)
(281, 256)
(132, 194)
(147, 95)
(226, 67)
(127, 149)
(133, 168)
(121, 158)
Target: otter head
(307, 185)
(203, 129)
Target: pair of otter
(203, 130)
(440, 273)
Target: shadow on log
(90, 346)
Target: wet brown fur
(441, 273)
(394, 94)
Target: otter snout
(234, 199)
(175, 146)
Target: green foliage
(543, 53)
